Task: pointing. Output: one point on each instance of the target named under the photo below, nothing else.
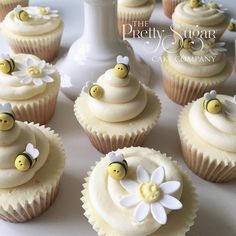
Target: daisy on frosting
(150, 195)
(34, 72)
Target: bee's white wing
(126, 61)
(7, 107)
(34, 152)
(115, 157)
(87, 86)
(119, 59)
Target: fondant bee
(21, 14)
(185, 43)
(211, 103)
(7, 64)
(27, 159)
(118, 167)
(94, 90)
(122, 68)
(195, 3)
(232, 25)
(7, 117)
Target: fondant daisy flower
(214, 48)
(44, 13)
(216, 6)
(150, 195)
(34, 72)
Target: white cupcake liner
(169, 6)
(43, 194)
(182, 90)
(45, 47)
(203, 165)
(136, 18)
(187, 214)
(8, 5)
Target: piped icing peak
(117, 95)
(213, 118)
(20, 146)
(132, 3)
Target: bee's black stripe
(13, 117)
(29, 158)
(124, 164)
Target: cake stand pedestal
(96, 50)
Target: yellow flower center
(149, 192)
(43, 10)
(34, 71)
(208, 45)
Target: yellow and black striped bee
(7, 117)
(21, 14)
(122, 67)
(94, 90)
(211, 103)
(185, 43)
(7, 64)
(195, 3)
(118, 167)
(27, 159)
(232, 25)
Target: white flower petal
(141, 211)
(29, 62)
(49, 71)
(129, 201)
(170, 187)
(142, 175)
(38, 82)
(46, 17)
(19, 73)
(54, 15)
(20, 66)
(171, 202)
(158, 175)
(47, 79)
(159, 213)
(129, 185)
(42, 64)
(26, 80)
(221, 44)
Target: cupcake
(193, 67)
(8, 5)
(30, 85)
(195, 18)
(34, 30)
(134, 16)
(207, 129)
(117, 111)
(139, 191)
(31, 166)
(169, 6)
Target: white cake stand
(96, 50)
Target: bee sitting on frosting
(27, 159)
(7, 64)
(195, 3)
(122, 67)
(232, 25)
(94, 90)
(118, 167)
(21, 14)
(211, 103)
(7, 117)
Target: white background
(217, 214)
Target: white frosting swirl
(196, 63)
(105, 193)
(11, 87)
(202, 16)
(218, 130)
(132, 3)
(123, 99)
(33, 27)
(13, 143)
